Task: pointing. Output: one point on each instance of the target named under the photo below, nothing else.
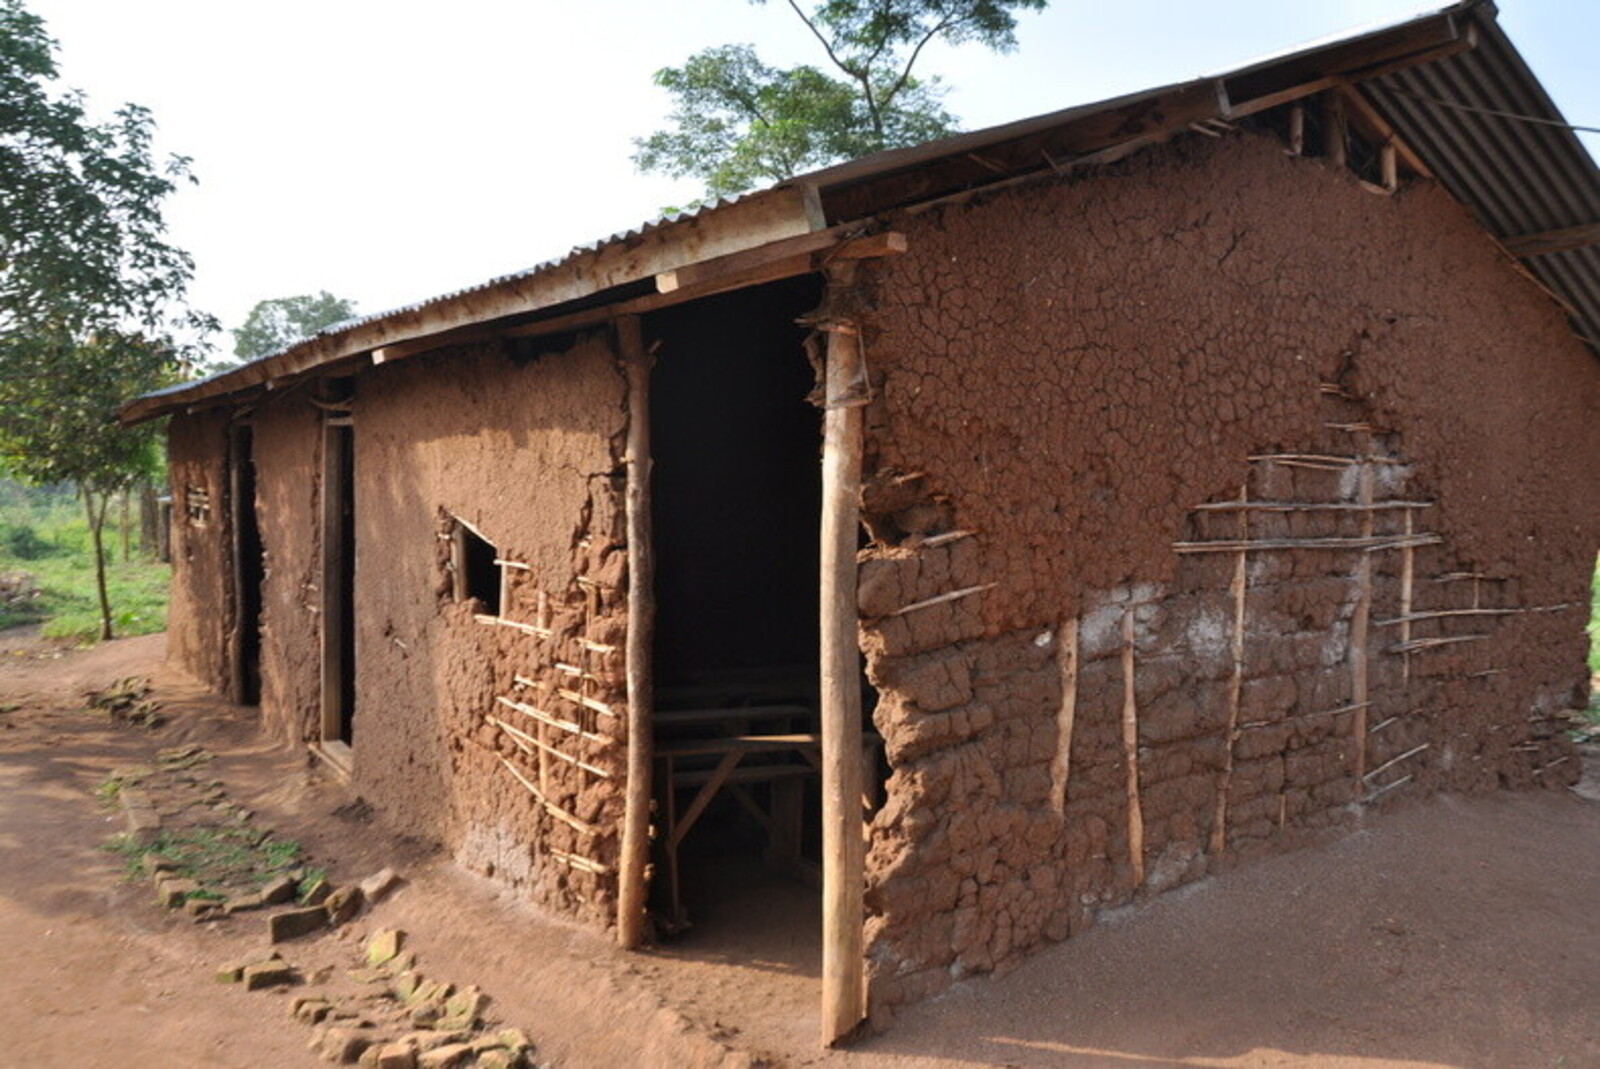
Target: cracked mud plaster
(1065, 370)
(527, 451)
(199, 609)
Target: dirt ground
(1460, 932)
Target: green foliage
(90, 291)
(274, 325)
(59, 400)
(20, 541)
(1594, 627)
(80, 202)
(64, 573)
(738, 123)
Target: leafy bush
(22, 542)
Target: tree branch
(827, 46)
(905, 75)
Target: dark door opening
(736, 498)
(249, 570)
(338, 585)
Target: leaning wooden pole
(843, 848)
(632, 879)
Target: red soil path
(1455, 933)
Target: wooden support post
(632, 880)
(1061, 768)
(1408, 573)
(1297, 130)
(1335, 129)
(1130, 750)
(1236, 591)
(1359, 624)
(843, 849)
(1389, 167)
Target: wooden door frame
(236, 571)
(843, 994)
(338, 435)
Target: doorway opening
(737, 507)
(337, 729)
(249, 569)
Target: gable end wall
(1065, 371)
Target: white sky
(392, 150)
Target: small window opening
(477, 570)
(197, 505)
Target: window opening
(477, 569)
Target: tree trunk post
(149, 521)
(97, 522)
(843, 848)
(632, 877)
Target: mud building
(990, 532)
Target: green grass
(47, 538)
(1593, 712)
(215, 855)
(1594, 625)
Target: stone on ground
(343, 1046)
(445, 1057)
(343, 905)
(385, 946)
(377, 886)
(267, 974)
(293, 923)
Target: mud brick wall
(200, 606)
(524, 447)
(287, 448)
(1086, 694)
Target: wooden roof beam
(1545, 242)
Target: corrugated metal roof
(618, 238)
(1517, 177)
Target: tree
(738, 123)
(82, 238)
(51, 437)
(274, 325)
(91, 292)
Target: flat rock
(445, 1057)
(307, 1007)
(343, 1046)
(515, 1038)
(343, 905)
(172, 891)
(395, 1056)
(155, 864)
(385, 946)
(499, 1058)
(267, 974)
(277, 891)
(377, 886)
(429, 1039)
(293, 923)
(243, 903)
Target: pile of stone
(325, 905)
(393, 1017)
(127, 701)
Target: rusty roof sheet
(1516, 176)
